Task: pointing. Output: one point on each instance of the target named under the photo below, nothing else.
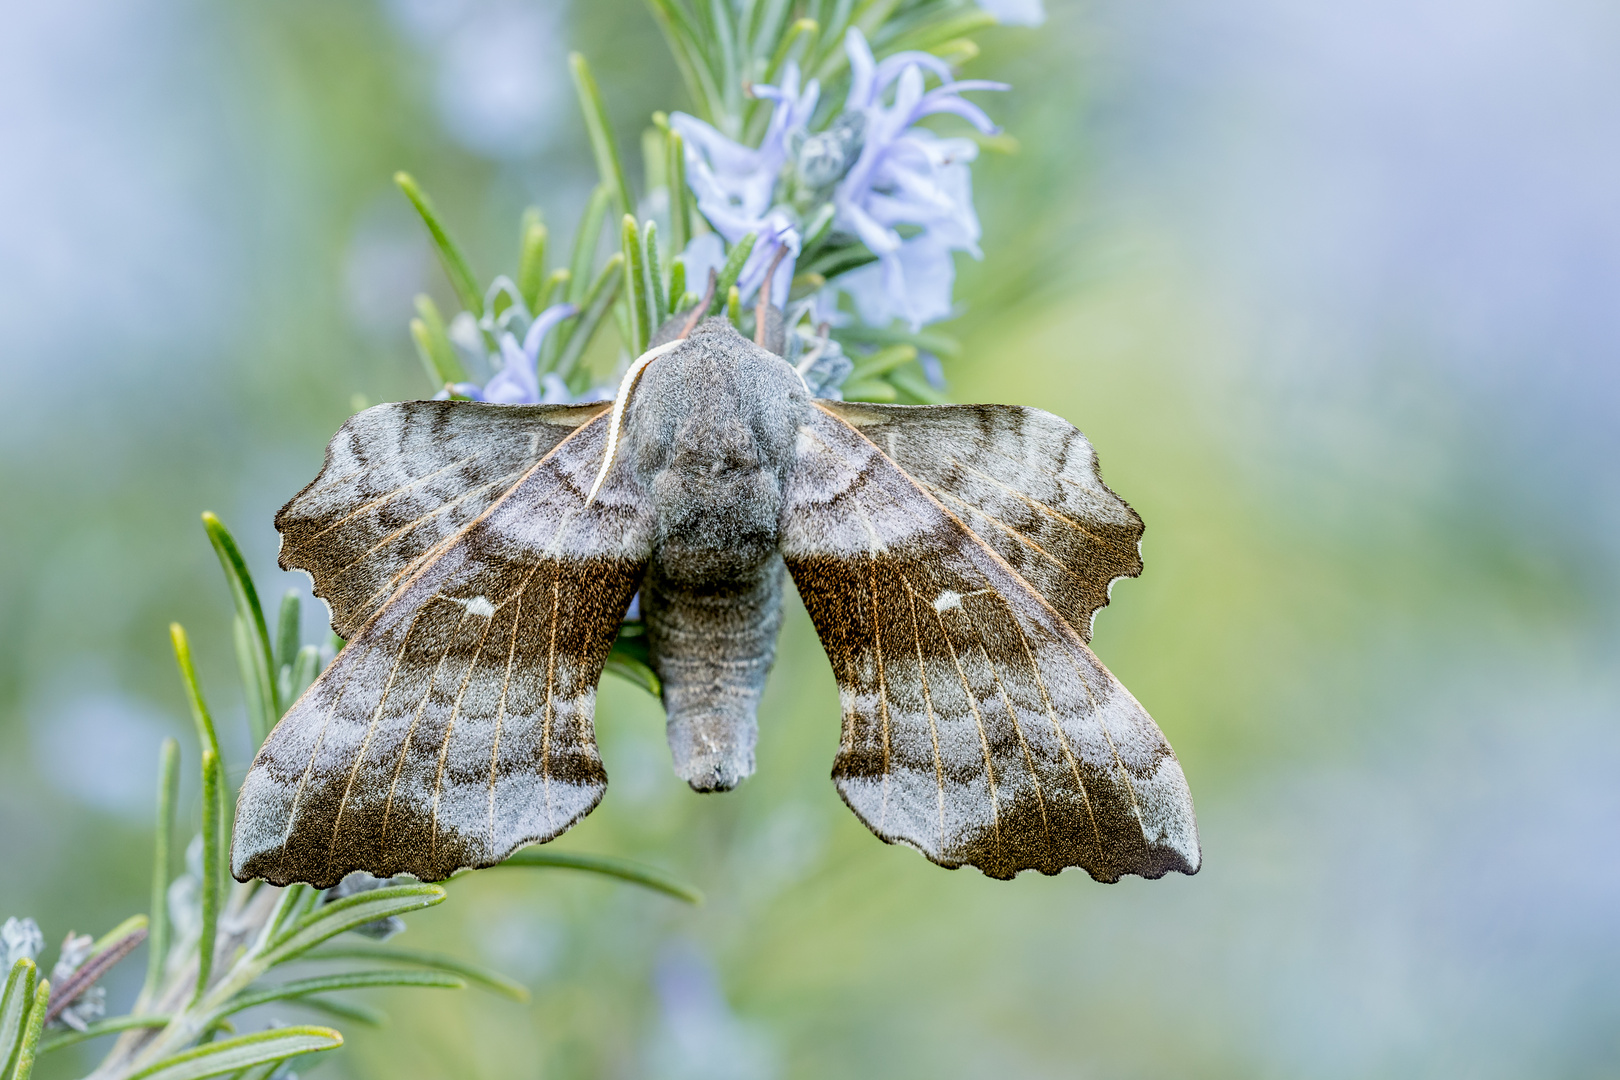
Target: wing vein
(1040, 506)
(928, 705)
(551, 686)
(984, 738)
(383, 499)
(976, 511)
(1057, 726)
(405, 747)
(1012, 715)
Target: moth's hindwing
(1027, 484)
(978, 727)
(399, 481)
(456, 725)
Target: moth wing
(1027, 483)
(456, 725)
(402, 479)
(978, 727)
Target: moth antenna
(762, 308)
(622, 400)
(703, 306)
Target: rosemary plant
(803, 183)
(216, 947)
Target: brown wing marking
(993, 737)
(1027, 483)
(400, 482)
(928, 704)
(456, 724)
(978, 722)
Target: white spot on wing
(480, 606)
(947, 600)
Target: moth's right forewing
(399, 480)
(1026, 482)
(456, 725)
(978, 727)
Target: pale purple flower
(735, 185)
(877, 168)
(908, 176)
(518, 381)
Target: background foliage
(1331, 291)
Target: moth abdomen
(713, 645)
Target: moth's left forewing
(978, 727)
(456, 725)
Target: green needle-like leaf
(768, 28)
(15, 1001)
(479, 976)
(288, 910)
(730, 271)
(157, 943)
(817, 231)
(869, 390)
(432, 339)
(532, 259)
(624, 321)
(911, 381)
(252, 616)
(734, 306)
(455, 264)
(188, 677)
(723, 29)
(635, 291)
(659, 305)
(244, 1051)
(883, 361)
(604, 290)
(332, 919)
(832, 261)
(655, 154)
(305, 667)
(802, 30)
(213, 827)
(623, 869)
(348, 980)
(933, 341)
(585, 242)
(59, 1039)
(601, 133)
(677, 284)
(33, 1027)
(933, 34)
(632, 669)
(689, 47)
(679, 198)
(131, 926)
(260, 708)
(872, 14)
(287, 628)
(554, 290)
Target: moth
(480, 559)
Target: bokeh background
(1335, 291)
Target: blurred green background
(1331, 288)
